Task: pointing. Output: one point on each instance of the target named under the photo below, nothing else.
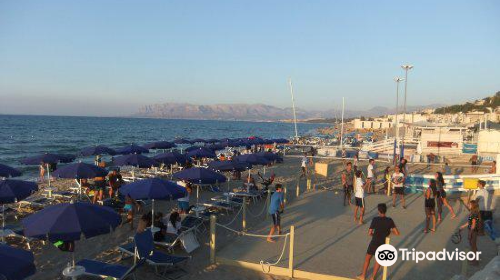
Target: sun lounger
(106, 270)
(252, 195)
(218, 205)
(145, 249)
(59, 194)
(35, 201)
(236, 201)
(14, 231)
(8, 211)
(187, 240)
(192, 222)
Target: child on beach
(380, 228)
(430, 206)
(129, 208)
(183, 202)
(474, 224)
(398, 180)
(370, 176)
(442, 197)
(347, 183)
(359, 194)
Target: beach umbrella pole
(48, 174)
(3, 223)
(152, 214)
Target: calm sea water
(22, 136)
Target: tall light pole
(406, 68)
(396, 122)
(293, 108)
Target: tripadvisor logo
(387, 255)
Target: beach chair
(186, 239)
(218, 205)
(14, 231)
(109, 271)
(235, 201)
(192, 222)
(35, 202)
(143, 247)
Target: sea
(23, 136)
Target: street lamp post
(406, 68)
(396, 122)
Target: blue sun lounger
(106, 270)
(143, 247)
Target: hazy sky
(107, 57)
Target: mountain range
(252, 112)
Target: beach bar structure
(439, 138)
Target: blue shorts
(276, 219)
(183, 205)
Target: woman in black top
(430, 205)
(442, 196)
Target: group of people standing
(435, 197)
(353, 182)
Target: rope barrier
(257, 215)
(235, 216)
(242, 233)
(268, 264)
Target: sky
(107, 58)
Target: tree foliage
(489, 102)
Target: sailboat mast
(293, 108)
(342, 125)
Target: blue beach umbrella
(228, 165)
(171, 158)
(132, 149)
(212, 140)
(48, 158)
(136, 160)
(97, 150)
(69, 221)
(253, 159)
(216, 147)
(160, 145)
(80, 171)
(201, 153)
(182, 141)
(15, 190)
(7, 171)
(191, 148)
(16, 264)
(200, 175)
(12, 191)
(154, 188)
(198, 140)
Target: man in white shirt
(303, 165)
(483, 197)
(359, 195)
(370, 177)
(398, 180)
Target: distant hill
(251, 112)
(478, 105)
